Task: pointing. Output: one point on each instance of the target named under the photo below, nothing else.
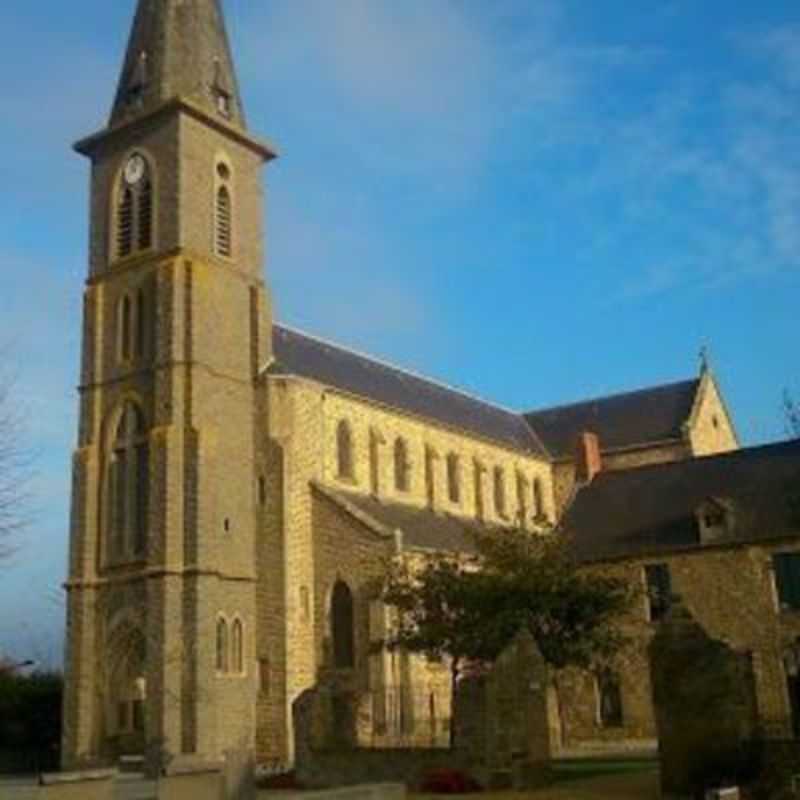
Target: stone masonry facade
(731, 592)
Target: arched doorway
(126, 691)
(342, 622)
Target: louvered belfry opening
(224, 236)
(145, 214)
(135, 214)
(125, 223)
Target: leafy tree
(470, 608)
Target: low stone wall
(375, 791)
(90, 785)
(354, 767)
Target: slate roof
(623, 420)
(651, 510)
(305, 356)
(187, 52)
(421, 527)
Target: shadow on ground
(589, 779)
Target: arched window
(538, 499)
(141, 323)
(609, 699)
(342, 632)
(401, 467)
(522, 501)
(222, 646)
(222, 226)
(134, 223)
(125, 324)
(344, 450)
(237, 646)
(223, 210)
(127, 486)
(375, 442)
(430, 475)
(453, 478)
(132, 327)
(499, 491)
(478, 469)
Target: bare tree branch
(15, 470)
(792, 411)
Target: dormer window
(224, 104)
(715, 518)
(138, 82)
(221, 91)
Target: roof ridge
(615, 396)
(739, 452)
(388, 365)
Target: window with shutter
(223, 223)
(145, 214)
(134, 208)
(125, 224)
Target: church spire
(178, 48)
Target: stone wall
(705, 703)
(320, 766)
(730, 591)
(501, 731)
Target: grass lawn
(581, 769)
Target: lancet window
(401, 466)
(127, 486)
(223, 211)
(342, 630)
(453, 478)
(344, 450)
(134, 208)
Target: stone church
(237, 484)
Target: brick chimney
(588, 461)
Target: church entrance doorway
(126, 694)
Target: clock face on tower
(134, 169)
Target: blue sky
(538, 201)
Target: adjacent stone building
(238, 485)
(720, 532)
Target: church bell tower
(177, 321)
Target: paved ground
(125, 788)
(635, 786)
